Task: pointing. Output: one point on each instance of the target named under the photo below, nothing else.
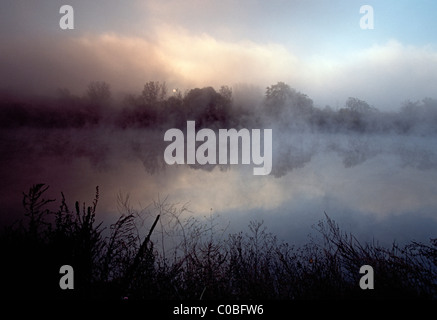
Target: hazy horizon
(316, 47)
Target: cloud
(202, 59)
(43, 65)
(127, 62)
(385, 75)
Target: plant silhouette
(206, 263)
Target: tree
(277, 94)
(359, 106)
(154, 92)
(99, 92)
(358, 115)
(99, 95)
(226, 93)
(208, 106)
(283, 98)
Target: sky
(317, 47)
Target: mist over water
(378, 184)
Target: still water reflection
(376, 186)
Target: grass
(179, 257)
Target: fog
(374, 172)
(384, 74)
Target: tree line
(158, 107)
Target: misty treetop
(157, 106)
